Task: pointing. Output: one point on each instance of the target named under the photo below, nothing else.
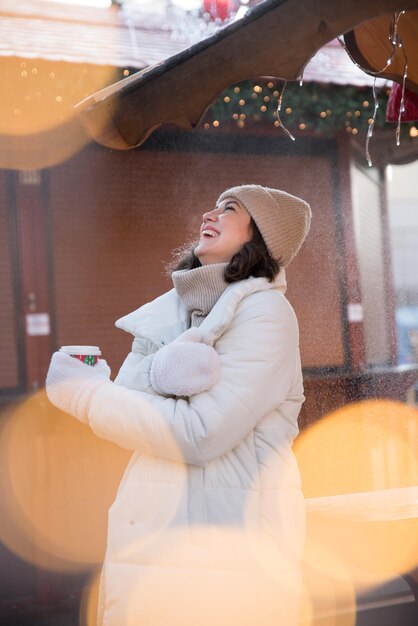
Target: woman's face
(223, 232)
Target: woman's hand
(185, 367)
(70, 384)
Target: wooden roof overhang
(276, 38)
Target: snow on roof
(126, 38)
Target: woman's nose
(210, 216)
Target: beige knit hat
(282, 219)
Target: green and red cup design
(86, 354)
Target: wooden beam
(276, 38)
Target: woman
(207, 526)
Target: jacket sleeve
(259, 362)
(136, 367)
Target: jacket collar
(164, 318)
(222, 313)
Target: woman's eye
(229, 208)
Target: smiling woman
(224, 231)
(208, 523)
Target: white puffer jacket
(208, 523)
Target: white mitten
(186, 366)
(70, 384)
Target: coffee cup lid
(93, 350)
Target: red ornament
(221, 9)
(410, 114)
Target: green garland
(320, 108)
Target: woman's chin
(202, 253)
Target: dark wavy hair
(253, 259)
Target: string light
(396, 42)
(279, 106)
(356, 118)
(371, 125)
(301, 78)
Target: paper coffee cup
(87, 354)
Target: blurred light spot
(58, 483)
(359, 469)
(41, 134)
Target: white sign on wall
(355, 312)
(37, 324)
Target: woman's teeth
(210, 233)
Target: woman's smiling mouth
(209, 231)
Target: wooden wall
(10, 368)
(116, 217)
(92, 237)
